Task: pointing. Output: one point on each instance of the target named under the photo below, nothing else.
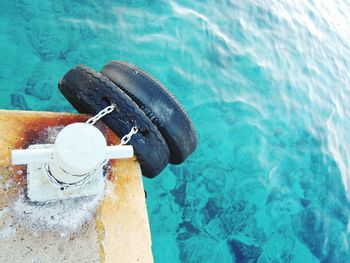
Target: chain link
(126, 138)
(92, 121)
(101, 114)
(64, 186)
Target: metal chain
(64, 186)
(101, 114)
(126, 138)
(92, 121)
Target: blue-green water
(267, 85)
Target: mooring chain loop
(101, 114)
(64, 186)
(92, 121)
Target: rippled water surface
(267, 86)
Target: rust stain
(34, 132)
(35, 129)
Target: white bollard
(79, 149)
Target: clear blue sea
(267, 85)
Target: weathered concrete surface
(116, 231)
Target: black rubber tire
(158, 104)
(89, 92)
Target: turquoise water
(267, 86)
